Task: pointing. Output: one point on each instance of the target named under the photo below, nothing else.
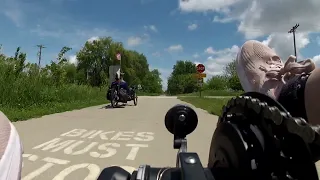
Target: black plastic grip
(190, 168)
(169, 174)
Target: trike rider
(123, 84)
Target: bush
(215, 93)
(234, 83)
(182, 79)
(28, 90)
(217, 83)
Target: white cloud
(196, 55)
(175, 48)
(134, 41)
(192, 27)
(138, 40)
(213, 68)
(151, 27)
(318, 40)
(43, 32)
(13, 10)
(73, 59)
(222, 20)
(15, 15)
(196, 63)
(219, 59)
(75, 36)
(146, 1)
(316, 60)
(209, 50)
(60, 1)
(259, 17)
(156, 54)
(93, 38)
(94, 32)
(145, 36)
(233, 50)
(282, 43)
(205, 5)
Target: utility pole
(40, 46)
(293, 31)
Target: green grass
(28, 92)
(212, 105)
(20, 114)
(90, 97)
(215, 93)
(34, 102)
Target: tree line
(183, 80)
(96, 57)
(25, 84)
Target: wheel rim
(135, 99)
(113, 100)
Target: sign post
(118, 56)
(200, 75)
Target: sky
(203, 31)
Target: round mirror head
(181, 120)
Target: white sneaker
(260, 69)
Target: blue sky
(205, 31)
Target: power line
(40, 46)
(293, 31)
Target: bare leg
(312, 97)
(10, 150)
(4, 133)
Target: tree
(26, 85)
(230, 69)
(20, 59)
(184, 67)
(136, 67)
(95, 58)
(61, 70)
(217, 83)
(182, 79)
(152, 82)
(234, 83)
(230, 72)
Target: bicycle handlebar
(255, 138)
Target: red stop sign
(200, 68)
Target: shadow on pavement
(119, 106)
(110, 107)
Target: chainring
(256, 138)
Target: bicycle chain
(279, 118)
(294, 125)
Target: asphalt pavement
(78, 144)
(211, 97)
